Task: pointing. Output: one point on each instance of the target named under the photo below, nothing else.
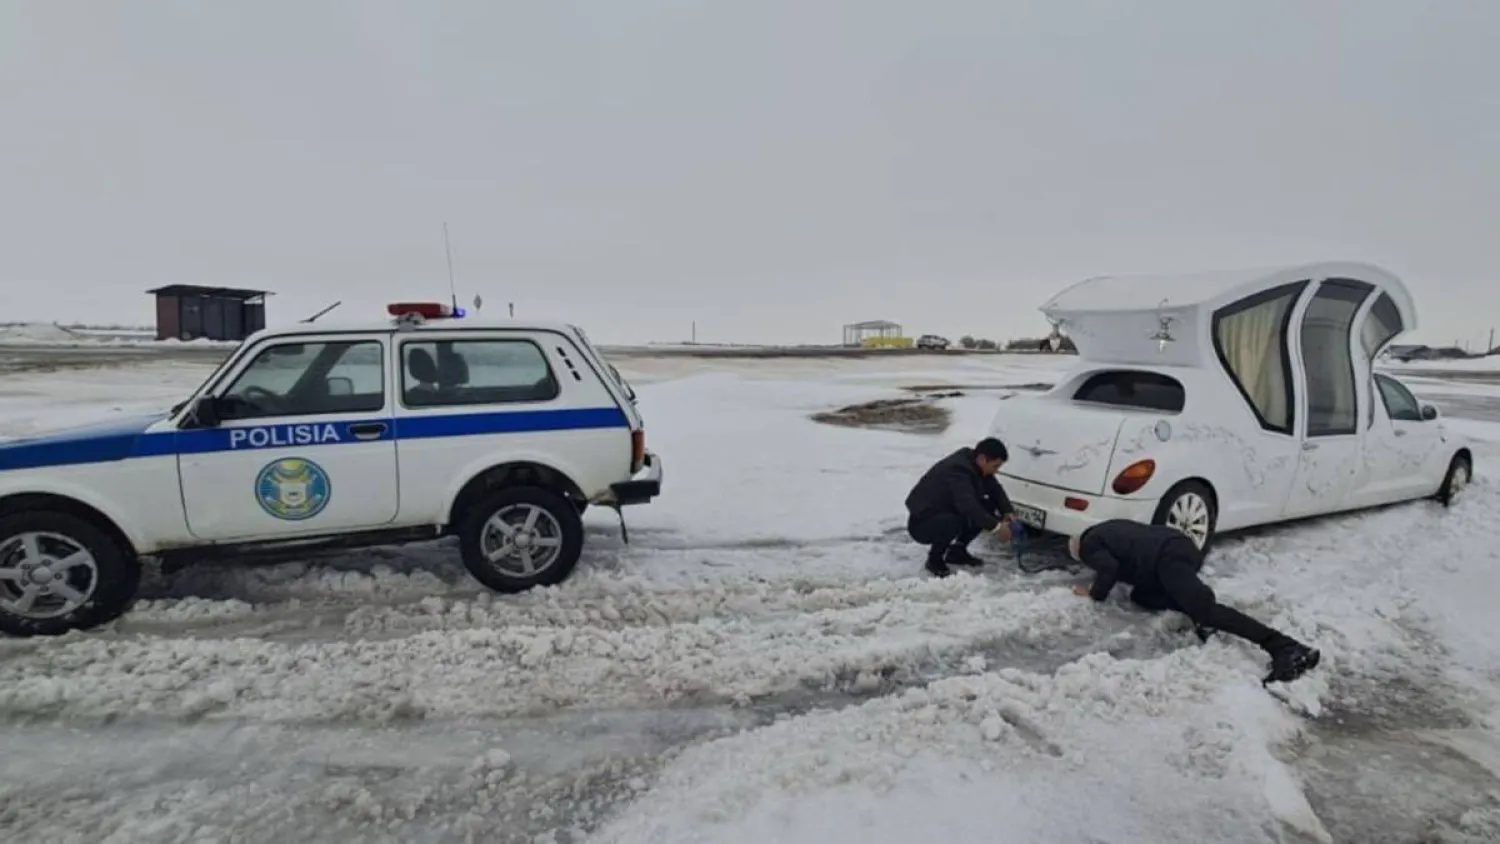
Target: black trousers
(941, 531)
(1176, 587)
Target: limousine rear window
(1133, 388)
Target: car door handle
(1400, 432)
(367, 430)
(1309, 446)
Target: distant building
(186, 312)
(877, 332)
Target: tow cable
(624, 531)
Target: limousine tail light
(1134, 476)
(637, 450)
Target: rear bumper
(1069, 522)
(643, 486)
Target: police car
(314, 436)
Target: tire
(1195, 501)
(107, 580)
(556, 520)
(1460, 473)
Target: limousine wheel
(58, 573)
(1460, 472)
(1190, 508)
(521, 537)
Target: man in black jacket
(956, 500)
(1162, 564)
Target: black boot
(1290, 659)
(960, 556)
(936, 565)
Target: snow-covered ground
(43, 334)
(765, 661)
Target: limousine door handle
(367, 430)
(1400, 433)
(1309, 446)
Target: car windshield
(223, 364)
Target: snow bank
(1102, 750)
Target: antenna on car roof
(448, 250)
(315, 316)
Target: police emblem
(293, 489)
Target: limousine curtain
(1251, 343)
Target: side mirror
(206, 412)
(1429, 413)
(340, 386)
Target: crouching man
(1162, 565)
(956, 500)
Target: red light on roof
(425, 310)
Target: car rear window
(1133, 388)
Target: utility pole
(1491, 346)
(512, 306)
(695, 331)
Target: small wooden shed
(188, 312)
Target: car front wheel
(59, 573)
(1190, 508)
(521, 537)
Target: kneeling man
(1162, 564)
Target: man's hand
(1003, 528)
(1081, 591)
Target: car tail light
(1076, 503)
(637, 450)
(1135, 476)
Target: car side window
(1250, 338)
(308, 379)
(1400, 404)
(1133, 388)
(1328, 366)
(1382, 323)
(452, 373)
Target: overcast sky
(769, 168)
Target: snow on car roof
(1146, 292)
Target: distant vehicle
(316, 436)
(932, 341)
(1217, 402)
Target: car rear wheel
(1190, 507)
(1460, 473)
(59, 573)
(521, 537)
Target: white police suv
(315, 436)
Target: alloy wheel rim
(45, 575)
(1189, 514)
(522, 540)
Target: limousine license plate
(1032, 517)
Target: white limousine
(1222, 401)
